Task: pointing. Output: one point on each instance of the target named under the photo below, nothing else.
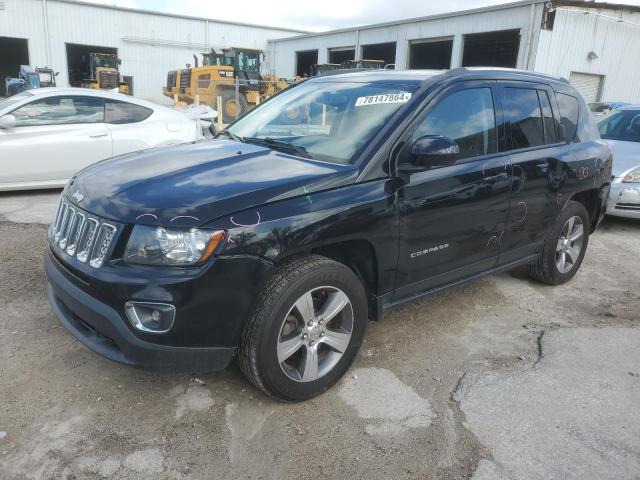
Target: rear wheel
(306, 329)
(564, 248)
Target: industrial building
(594, 45)
(60, 34)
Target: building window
(491, 49)
(340, 55)
(434, 55)
(380, 51)
(305, 61)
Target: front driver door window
(54, 137)
(453, 213)
(60, 111)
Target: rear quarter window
(122, 112)
(569, 112)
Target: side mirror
(7, 122)
(430, 151)
(119, 61)
(57, 73)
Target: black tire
(258, 350)
(229, 98)
(546, 270)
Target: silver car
(621, 129)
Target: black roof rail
(515, 71)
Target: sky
(311, 15)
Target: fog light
(150, 317)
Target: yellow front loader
(103, 73)
(217, 78)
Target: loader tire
(232, 110)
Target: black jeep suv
(334, 200)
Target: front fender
(278, 230)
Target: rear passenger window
(122, 112)
(550, 133)
(522, 111)
(466, 116)
(569, 109)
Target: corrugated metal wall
(518, 17)
(565, 49)
(149, 45)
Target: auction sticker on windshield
(399, 97)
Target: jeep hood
(189, 185)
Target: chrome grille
(101, 247)
(80, 235)
(86, 241)
(74, 235)
(64, 233)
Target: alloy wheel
(569, 244)
(315, 334)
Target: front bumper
(101, 328)
(624, 199)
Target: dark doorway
(304, 62)
(491, 49)
(431, 55)
(78, 61)
(339, 56)
(380, 51)
(15, 52)
(128, 79)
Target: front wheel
(232, 109)
(305, 330)
(564, 248)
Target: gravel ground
(502, 379)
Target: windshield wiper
(278, 145)
(230, 135)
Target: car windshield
(327, 120)
(7, 102)
(621, 125)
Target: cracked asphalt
(501, 379)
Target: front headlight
(632, 177)
(171, 246)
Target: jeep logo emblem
(77, 196)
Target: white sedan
(621, 129)
(48, 134)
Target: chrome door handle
(98, 135)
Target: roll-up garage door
(587, 84)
